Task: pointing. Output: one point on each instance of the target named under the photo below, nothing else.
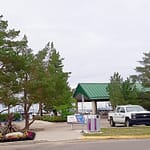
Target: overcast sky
(95, 37)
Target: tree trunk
(40, 109)
(26, 116)
(55, 112)
(10, 119)
(76, 107)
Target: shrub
(17, 116)
(51, 118)
(4, 117)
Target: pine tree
(59, 90)
(144, 70)
(129, 91)
(122, 92)
(143, 77)
(114, 90)
(10, 65)
(41, 76)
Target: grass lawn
(122, 131)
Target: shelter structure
(91, 92)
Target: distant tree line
(27, 78)
(135, 89)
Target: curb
(36, 142)
(114, 137)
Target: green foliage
(144, 70)
(4, 117)
(143, 77)
(17, 116)
(58, 90)
(67, 108)
(144, 99)
(52, 118)
(122, 92)
(39, 77)
(129, 92)
(10, 63)
(115, 90)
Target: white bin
(93, 123)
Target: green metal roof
(97, 91)
(92, 91)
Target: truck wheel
(127, 122)
(147, 124)
(112, 123)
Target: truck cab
(129, 115)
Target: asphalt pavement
(59, 132)
(50, 132)
(47, 131)
(66, 132)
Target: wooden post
(82, 104)
(76, 106)
(94, 107)
(82, 131)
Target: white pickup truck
(129, 115)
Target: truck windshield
(134, 108)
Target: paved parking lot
(59, 131)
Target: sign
(80, 119)
(76, 119)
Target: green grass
(121, 131)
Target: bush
(4, 117)
(52, 118)
(17, 117)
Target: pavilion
(91, 92)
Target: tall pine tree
(143, 77)
(114, 89)
(10, 65)
(122, 92)
(59, 90)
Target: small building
(91, 92)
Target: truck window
(122, 110)
(118, 109)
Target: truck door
(121, 115)
(116, 114)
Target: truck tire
(112, 123)
(127, 122)
(147, 124)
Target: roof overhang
(91, 92)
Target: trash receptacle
(93, 123)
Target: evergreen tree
(144, 70)
(27, 80)
(10, 65)
(143, 77)
(115, 90)
(130, 92)
(35, 78)
(59, 90)
(122, 92)
(41, 76)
